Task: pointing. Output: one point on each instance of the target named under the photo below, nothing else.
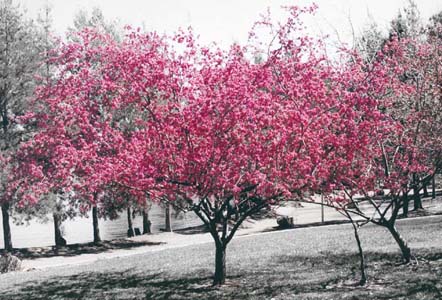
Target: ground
(306, 216)
(303, 263)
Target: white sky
(225, 21)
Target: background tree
(19, 61)
(123, 119)
(406, 156)
(55, 203)
(76, 114)
(407, 23)
(95, 21)
(410, 108)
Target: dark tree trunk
(6, 227)
(97, 238)
(416, 195)
(417, 199)
(405, 250)
(209, 215)
(425, 191)
(433, 187)
(146, 222)
(363, 279)
(168, 222)
(220, 265)
(130, 227)
(406, 202)
(59, 240)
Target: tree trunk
(97, 238)
(405, 206)
(6, 227)
(417, 199)
(130, 227)
(433, 187)
(220, 265)
(221, 241)
(59, 240)
(146, 222)
(416, 196)
(363, 279)
(168, 223)
(425, 191)
(406, 251)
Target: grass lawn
(306, 263)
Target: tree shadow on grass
(77, 249)
(332, 276)
(113, 285)
(327, 276)
(336, 276)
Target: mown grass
(310, 263)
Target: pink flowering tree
(231, 136)
(77, 139)
(419, 109)
(332, 123)
(399, 153)
(227, 135)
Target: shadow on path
(77, 249)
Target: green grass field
(307, 263)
